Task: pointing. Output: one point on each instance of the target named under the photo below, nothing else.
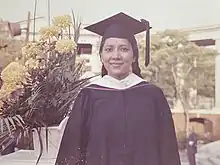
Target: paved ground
(183, 157)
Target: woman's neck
(120, 77)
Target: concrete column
(217, 82)
(217, 76)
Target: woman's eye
(124, 49)
(108, 49)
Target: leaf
(41, 145)
(11, 121)
(47, 139)
(7, 124)
(19, 117)
(18, 120)
(2, 125)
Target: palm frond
(9, 123)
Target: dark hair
(135, 66)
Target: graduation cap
(122, 25)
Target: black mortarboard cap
(122, 25)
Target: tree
(180, 67)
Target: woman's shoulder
(149, 86)
(151, 90)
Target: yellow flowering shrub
(12, 76)
(31, 50)
(7, 89)
(16, 73)
(32, 63)
(13, 72)
(62, 21)
(49, 32)
(65, 46)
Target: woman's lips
(116, 64)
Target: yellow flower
(49, 32)
(31, 49)
(65, 46)
(62, 21)
(7, 89)
(14, 73)
(12, 76)
(32, 63)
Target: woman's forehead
(116, 41)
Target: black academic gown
(107, 126)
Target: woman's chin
(118, 74)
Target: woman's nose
(116, 54)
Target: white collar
(110, 82)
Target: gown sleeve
(168, 147)
(71, 148)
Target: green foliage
(45, 99)
(47, 95)
(174, 57)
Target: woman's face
(117, 57)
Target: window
(84, 49)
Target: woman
(120, 119)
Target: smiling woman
(117, 57)
(119, 43)
(119, 119)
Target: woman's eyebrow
(114, 45)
